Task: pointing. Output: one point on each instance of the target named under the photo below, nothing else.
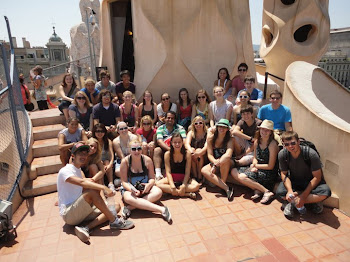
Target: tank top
(149, 113)
(129, 119)
(185, 112)
(198, 143)
(179, 167)
(140, 176)
(219, 152)
(71, 138)
(220, 112)
(204, 113)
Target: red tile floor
(208, 229)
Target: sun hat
(268, 124)
(79, 146)
(223, 122)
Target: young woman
(25, 94)
(225, 82)
(94, 168)
(129, 112)
(82, 109)
(139, 190)
(178, 168)
(147, 132)
(244, 97)
(184, 104)
(38, 82)
(220, 108)
(262, 174)
(121, 144)
(67, 91)
(148, 107)
(107, 156)
(196, 144)
(220, 149)
(164, 106)
(201, 106)
(68, 137)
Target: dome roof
(55, 37)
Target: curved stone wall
(320, 111)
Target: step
(47, 117)
(47, 131)
(41, 185)
(47, 165)
(45, 147)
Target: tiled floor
(209, 229)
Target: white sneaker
(82, 233)
(159, 177)
(111, 187)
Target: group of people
(146, 150)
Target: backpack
(305, 146)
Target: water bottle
(111, 205)
(301, 210)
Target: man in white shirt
(77, 205)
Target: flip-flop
(268, 195)
(256, 195)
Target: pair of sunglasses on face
(293, 143)
(138, 148)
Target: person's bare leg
(141, 203)
(163, 184)
(206, 171)
(66, 114)
(109, 172)
(199, 168)
(243, 178)
(194, 168)
(192, 186)
(64, 156)
(157, 157)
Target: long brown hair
(74, 84)
(226, 138)
(182, 151)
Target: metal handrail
(266, 78)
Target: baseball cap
(79, 146)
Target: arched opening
(303, 33)
(122, 35)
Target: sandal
(192, 195)
(257, 194)
(268, 195)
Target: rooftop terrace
(208, 229)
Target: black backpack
(305, 146)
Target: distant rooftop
(340, 30)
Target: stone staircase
(46, 160)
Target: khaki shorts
(80, 211)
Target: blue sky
(34, 19)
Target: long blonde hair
(97, 156)
(198, 118)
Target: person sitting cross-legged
(178, 168)
(138, 184)
(77, 206)
(305, 183)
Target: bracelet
(251, 139)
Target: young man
(91, 91)
(164, 133)
(256, 95)
(105, 82)
(305, 183)
(124, 85)
(238, 82)
(276, 112)
(106, 113)
(244, 133)
(77, 206)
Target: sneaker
(317, 208)
(82, 233)
(159, 177)
(111, 186)
(289, 210)
(229, 193)
(117, 182)
(210, 184)
(166, 215)
(126, 213)
(121, 224)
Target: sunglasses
(198, 123)
(136, 148)
(275, 98)
(166, 98)
(107, 96)
(219, 91)
(242, 70)
(81, 98)
(123, 128)
(146, 124)
(99, 131)
(201, 97)
(243, 96)
(293, 143)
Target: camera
(139, 186)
